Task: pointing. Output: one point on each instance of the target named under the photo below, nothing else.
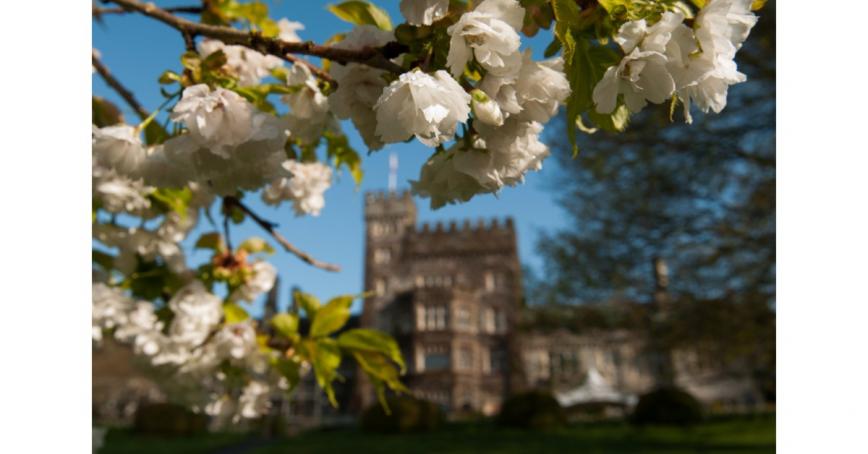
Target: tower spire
(393, 172)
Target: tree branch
(371, 56)
(126, 94)
(269, 227)
(97, 11)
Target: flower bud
(485, 109)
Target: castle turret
(388, 216)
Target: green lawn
(741, 435)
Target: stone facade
(450, 296)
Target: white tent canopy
(595, 390)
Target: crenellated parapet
(468, 237)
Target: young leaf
(234, 313)
(307, 302)
(368, 340)
(361, 13)
(285, 324)
(211, 240)
(332, 316)
(325, 357)
(255, 245)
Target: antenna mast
(393, 172)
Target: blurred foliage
(167, 419)
(402, 414)
(531, 410)
(669, 406)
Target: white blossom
(309, 108)
(247, 64)
(485, 109)
(502, 90)
(429, 107)
(287, 30)
(642, 75)
(119, 148)
(541, 88)
(197, 312)
(236, 341)
(218, 120)
(359, 86)
(501, 157)
(264, 275)
(490, 33)
(135, 242)
(109, 309)
(254, 400)
(303, 183)
(704, 78)
(118, 194)
(424, 12)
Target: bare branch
(370, 56)
(97, 11)
(269, 227)
(126, 94)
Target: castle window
(498, 360)
(462, 319)
(500, 321)
(382, 256)
(380, 287)
(431, 318)
(489, 281)
(436, 357)
(488, 320)
(465, 358)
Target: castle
(450, 296)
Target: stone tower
(388, 217)
(450, 296)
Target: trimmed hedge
(408, 414)
(532, 410)
(168, 420)
(668, 406)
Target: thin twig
(126, 94)
(269, 227)
(371, 56)
(97, 11)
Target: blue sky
(137, 49)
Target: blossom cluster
(503, 111)
(196, 347)
(669, 59)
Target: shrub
(408, 414)
(531, 410)
(168, 420)
(667, 405)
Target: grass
(736, 435)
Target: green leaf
(176, 200)
(214, 60)
(288, 369)
(332, 316)
(338, 147)
(553, 48)
(285, 324)
(155, 133)
(611, 5)
(234, 313)
(255, 245)
(361, 13)
(368, 340)
(615, 122)
(307, 302)
(211, 240)
(381, 372)
(169, 77)
(325, 357)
